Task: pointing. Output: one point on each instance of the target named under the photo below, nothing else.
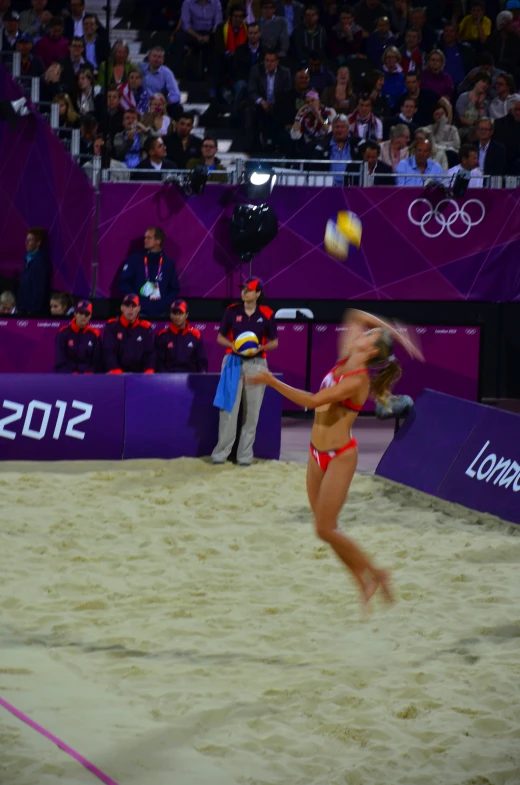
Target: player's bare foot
(380, 579)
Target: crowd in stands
(320, 82)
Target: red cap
(179, 305)
(253, 284)
(83, 305)
(131, 299)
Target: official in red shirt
(245, 316)
(128, 341)
(179, 348)
(78, 346)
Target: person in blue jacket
(33, 289)
(152, 275)
(78, 346)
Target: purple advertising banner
(51, 418)
(174, 417)
(459, 451)
(416, 244)
(451, 360)
(41, 185)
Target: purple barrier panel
(451, 354)
(486, 473)
(458, 451)
(416, 244)
(58, 418)
(172, 416)
(428, 442)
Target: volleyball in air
(341, 232)
(246, 343)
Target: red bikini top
(331, 381)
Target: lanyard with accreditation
(150, 289)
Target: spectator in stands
(118, 65)
(228, 37)
(445, 135)
(379, 40)
(378, 172)
(398, 13)
(319, 76)
(128, 345)
(394, 84)
(179, 348)
(340, 95)
(156, 119)
(119, 173)
(491, 154)
(459, 56)
(295, 98)
(252, 9)
(502, 44)
(181, 144)
(53, 47)
(308, 37)
(514, 7)
(78, 346)
(246, 315)
(133, 94)
(157, 78)
(72, 64)
(68, 117)
(329, 16)
(29, 64)
(33, 289)
(88, 132)
(129, 144)
(155, 160)
(485, 64)
(426, 99)
(245, 58)
(435, 78)
(437, 154)
(96, 44)
(11, 31)
(346, 37)
(35, 20)
(406, 116)
(275, 34)
(468, 165)
(199, 19)
(74, 21)
(61, 304)
(312, 123)
(292, 10)
(428, 35)
(340, 148)
(475, 27)
(269, 84)
(88, 96)
(473, 105)
(505, 88)
(7, 304)
(363, 121)
(419, 168)
(209, 159)
(152, 274)
(111, 119)
(373, 84)
(412, 58)
(396, 149)
(367, 12)
(51, 83)
(507, 132)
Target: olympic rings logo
(434, 222)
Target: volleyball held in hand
(246, 343)
(341, 232)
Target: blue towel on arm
(227, 389)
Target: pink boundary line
(61, 744)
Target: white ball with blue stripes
(246, 343)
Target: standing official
(179, 348)
(128, 341)
(247, 315)
(78, 346)
(152, 274)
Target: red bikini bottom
(324, 458)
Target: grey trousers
(227, 428)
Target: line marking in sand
(61, 744)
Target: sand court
(179, 622)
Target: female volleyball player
(333, 452)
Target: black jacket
(507, 132)
(68, 74)
(176, 152)
(155, 176)
(257, 87)
(495, 163)
(243, 61)
(33, 290)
